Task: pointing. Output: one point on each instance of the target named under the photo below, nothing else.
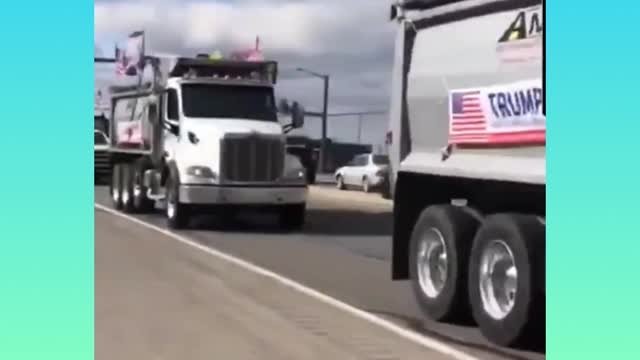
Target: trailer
(204, 137)
(467, 147)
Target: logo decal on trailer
(526, 25)
(498, 114)
(522, 39)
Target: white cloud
(349, 39)
(306, 28)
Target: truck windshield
(228, 101)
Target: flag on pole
(254, 54)
(135, 52)
(120, 62)
(130, 61)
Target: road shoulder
(157, 298)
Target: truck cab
(211, 142)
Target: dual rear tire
(127, 189)
(129, 194)
(491, 271)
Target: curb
(351, 196)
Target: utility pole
(359, 128)
(322, 163)
(323, 145)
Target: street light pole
(322, 163)
(323, 145)
(359, 128)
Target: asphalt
(343, 251)
(156, 298)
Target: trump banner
(501, 114)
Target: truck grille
(251, 158)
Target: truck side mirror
(297, 115)
(283, 106)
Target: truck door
(171, 121)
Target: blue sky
(352, 40)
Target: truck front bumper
(243, 195)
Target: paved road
(157, 298)
(343, 252)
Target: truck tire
(141, 203)
(177, 213)
(116, 186)
(509, 304)
(439, 251)
(127, 187)
(292, 217)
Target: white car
(365, 171)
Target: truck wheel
(366, 187)
(340, 182)
(177, 213)
(439, 251)
(127, 188)
(506, 264)
(116, 186)
(311, 176)
(141, 203)
(292, 217)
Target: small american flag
(120, 62)
(468, 122)
(254, 54)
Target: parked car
(364, 171)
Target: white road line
(420, 339)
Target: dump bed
(129, 126)
(473, 74)
(132, 106)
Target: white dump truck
(467, 148)
(204, 137)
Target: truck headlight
(201, 172)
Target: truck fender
(167, 169)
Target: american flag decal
(505, 114)
(468, 122)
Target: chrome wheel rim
(498, 279)
(115, 189)
(432, 263)
(171, 210)
(137, 190)
(125, 196)
(171, 204)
